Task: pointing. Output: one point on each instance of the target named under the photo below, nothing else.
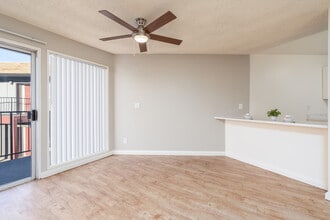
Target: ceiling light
(141, 38)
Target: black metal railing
(14, 104)
(15, 134)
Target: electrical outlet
(240, 106)
(124, 140)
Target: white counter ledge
(310, 125)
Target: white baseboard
(327, 196)
(62, 168)
(168, 153)
(279, 171)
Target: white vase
(273, 118)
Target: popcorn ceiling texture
(206, 27)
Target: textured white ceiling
(206, 27)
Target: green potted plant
(273, 114)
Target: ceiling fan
(142, 33)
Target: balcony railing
(8, 104)
(15, 134)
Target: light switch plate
(137, 105)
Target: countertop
(310, 125)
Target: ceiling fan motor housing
(140, 21)
(140, 29)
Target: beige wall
(62, 45)
(179, 95)
(292, 83)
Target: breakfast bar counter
(295, 150)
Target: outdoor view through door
(15, 115)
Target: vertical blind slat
(72, 110)
(106, 113)
(76, 104)
(102, 108)
(68, 110)
(86, 111)
(94, 110)
(98, 109)
(84, 120)
(63, 115)
(80, 80)
(58, 112)
(53, 105)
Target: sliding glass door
(16, 70)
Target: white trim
(33, 95)
(23, 36)
(37, 97)
(279, 171)
(20, 45)
(168, 153)
(327, 196)
(16, 183)
(74, 164)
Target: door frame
(35, 104)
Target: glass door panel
(15, 115)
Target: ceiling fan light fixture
(142, 32)
(141, 38)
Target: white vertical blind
(78, 109)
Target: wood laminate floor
(164, 187)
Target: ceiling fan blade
(165, 39)
(116, 37)
(159, 22)
(118, 20)
(143, 47)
